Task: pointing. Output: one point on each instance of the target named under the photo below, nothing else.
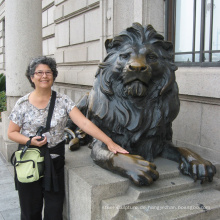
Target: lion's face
(139, 63)
(141, 67)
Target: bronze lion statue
(134, 101)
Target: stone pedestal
(7, 147)
(94, 193)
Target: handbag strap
(50, 111)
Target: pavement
(9, 201)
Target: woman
(29, 113)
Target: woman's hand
(35, 142)
(15, 135)
(115, 148)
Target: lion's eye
(124, 56)
(152, 58)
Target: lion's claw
(197, 167)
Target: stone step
(170, 186)
(167, 189)
(166, 168)
(182, 204)
(162, 187)
(204, 205)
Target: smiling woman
(28, 115)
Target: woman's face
(43, 77)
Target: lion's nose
(137, 67)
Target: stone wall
(71, 34)
(197, 125)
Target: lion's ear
(108, 44)
(168, 46)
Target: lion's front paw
(140, 171)
(197, 167)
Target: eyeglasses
(41, 73)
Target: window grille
(194, 28)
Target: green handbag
(30, 167)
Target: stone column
(23, 41)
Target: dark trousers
(31, 196)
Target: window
(194, 28)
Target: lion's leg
(190, 163)
(140, 171)
(101, 155)
(150, 150)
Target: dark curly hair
(41, 60)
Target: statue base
(94, 193)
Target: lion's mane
(142, 124)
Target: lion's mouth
(136, 88)
(136, 84)
(131, 77)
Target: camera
(40, 132)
